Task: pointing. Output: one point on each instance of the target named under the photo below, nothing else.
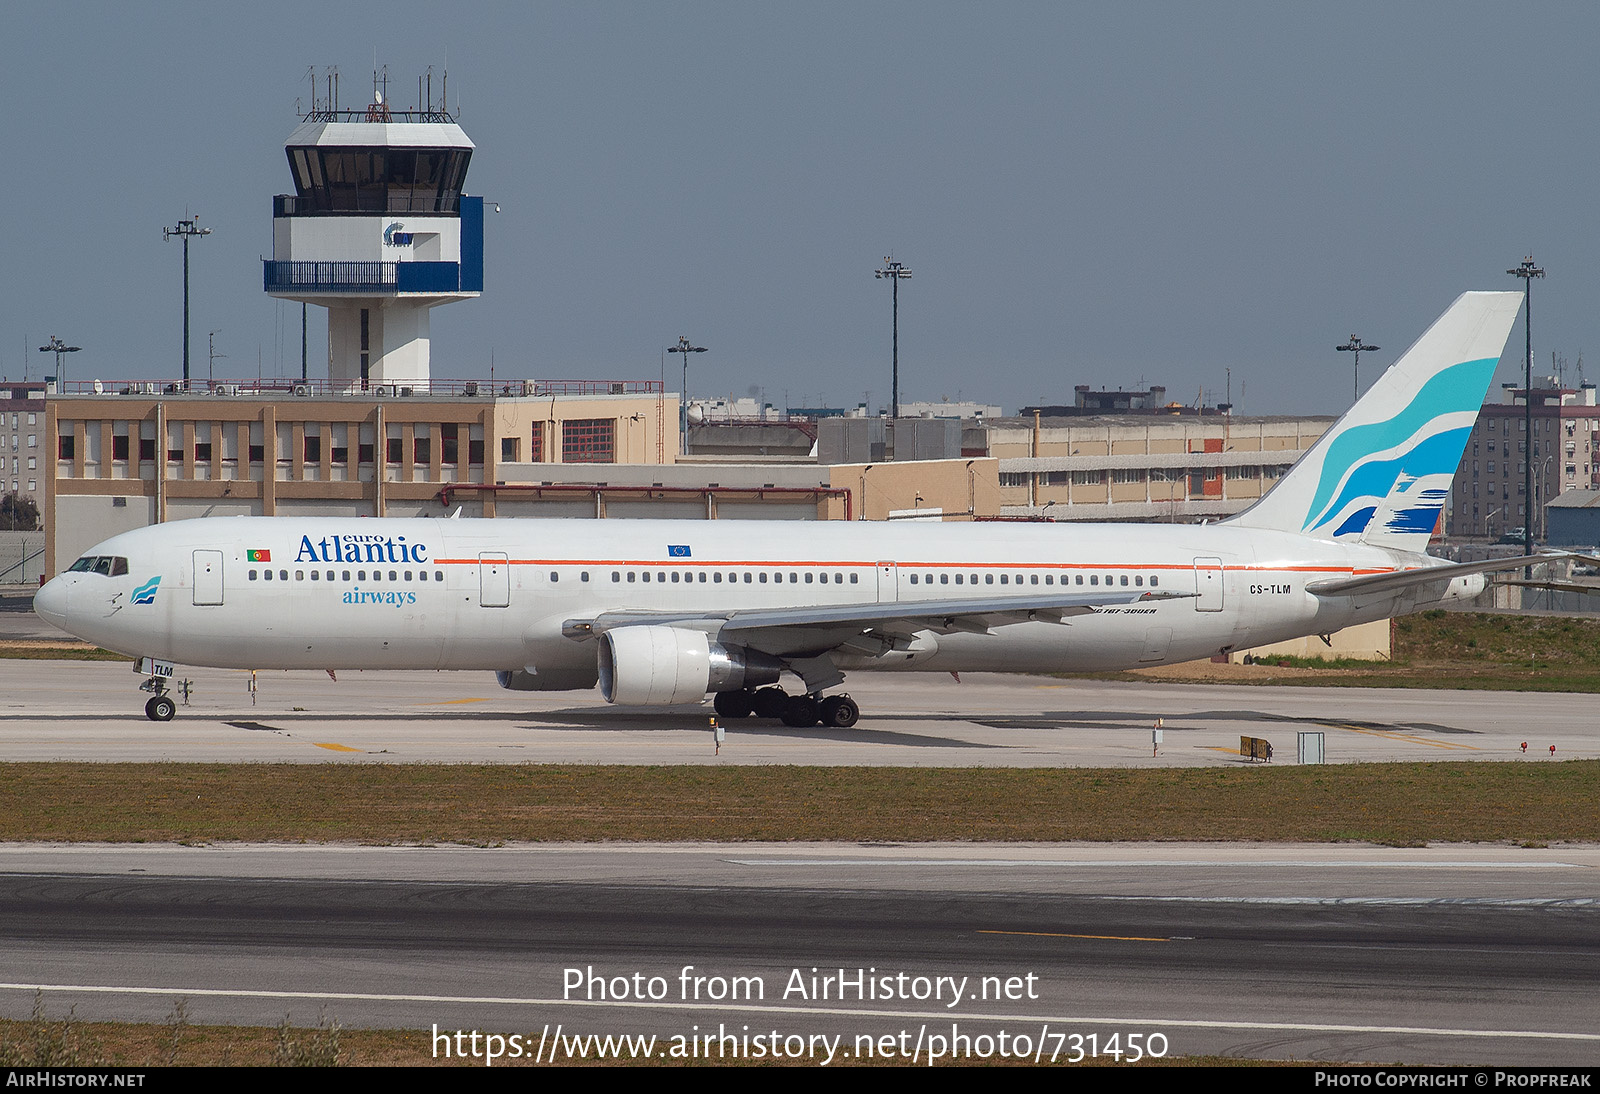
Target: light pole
(894, 271)
(1527, 271)
(1355, 346)
(58, 347)
(184, 230)
(685, 348)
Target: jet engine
(579, 677)
(663, 665)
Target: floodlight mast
(684, 347)
(1527, 271)
(184, 230)
(58, 347)
(894, 271)
(1355, 345)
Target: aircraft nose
(50, 603)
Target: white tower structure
(378, 232)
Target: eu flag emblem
(677, 550)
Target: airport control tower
(378, 232)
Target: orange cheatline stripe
(1096, 937)
(681, 563)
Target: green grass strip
(1535, 801)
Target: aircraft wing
(785, 631)
(1427, 575)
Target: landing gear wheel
(840, 711)
(770, 702)
(733, 704)
(160, 709)
(801, 711)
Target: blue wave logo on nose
(146, 593)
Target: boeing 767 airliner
(664, 613)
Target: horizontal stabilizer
(1427, 575)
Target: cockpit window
(105, 565)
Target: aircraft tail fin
(1381, 475)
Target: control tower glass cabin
(378, 232)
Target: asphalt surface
(1444, 955)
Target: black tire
(840, 711)
(770, 702)
(733, 704)
(801, 711)
(160, 709)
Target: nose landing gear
(160, 707)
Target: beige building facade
(113, 462)
(1141, 466)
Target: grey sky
(1086, 193)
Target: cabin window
(1139, 580)
(344, 575)
(616, 576)
(266, 575)
(1079, 580)
(988, 579)
(1003, 579)
(252, 575)
(316, 575)
(913, 578)
(1033, 579)
(583, 575)
(675, 577)
(747, 577)
(958, 579)
(1094, 579)
(630, 577)
(944, 579)
(283, 575)
(855, 579)
(646, 576)
(717, 577)
(763, 577)
(1154, 580)
(1124, 581)
(702, 577)
(555, 576)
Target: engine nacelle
(664, 665)
(579, 677)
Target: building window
(421, 451)
(147, 449)
(475, 453)
(536, 445)
(119, 447)
(67, 449)
(589, 440)
(313, 450)
(508, 450)
(449, 448)
(257, 452)
(202, 452)
(396, 450)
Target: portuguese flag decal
(258, 556)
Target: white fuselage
(248, 592)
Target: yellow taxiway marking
(1097, 937)
(334, 747)
(1406, 737)
(449, 702)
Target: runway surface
(92, 711)
(1445, 955)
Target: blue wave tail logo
(146, 593)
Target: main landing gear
(798, 711)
